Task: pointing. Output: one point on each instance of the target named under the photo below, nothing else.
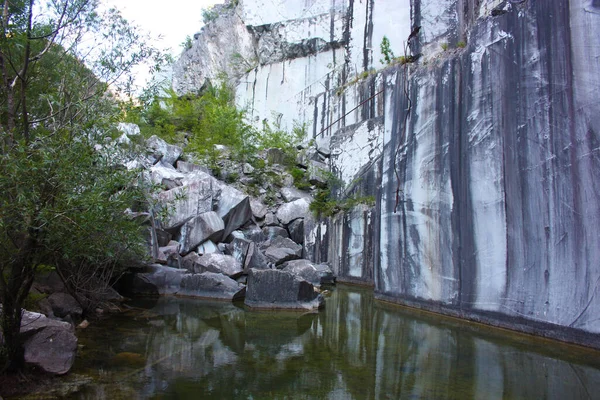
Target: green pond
(356, 348)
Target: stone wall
(482, 155)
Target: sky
(172, 19)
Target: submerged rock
(276, 289)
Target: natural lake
(356, 348)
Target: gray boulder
(259, 209)
(323, 146)
(271, 220)
(293, 210)
(254, 234)
(189, 260)
(256, 259)
(168, 153)
(162, 172)
(212, 285)
(129, 129)
(185, 167)
(317, 274)
(291, 194)
(282, 250)
(276, 289)
(157, 280)
(275, 156)
(238, 249)
(185, 202)
(205, 226)
(296, 230)
(271, 232)
(219, 263)
(208, 247)
(163, 238)
(234, 207)
(63, 304)
(318, 173)
(50, 344)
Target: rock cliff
(479, 142)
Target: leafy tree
(208, 119)
(386, 51)
(62, 200)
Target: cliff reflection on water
(355, 348)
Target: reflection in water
(356, 348)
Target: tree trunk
(11, 328)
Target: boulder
(219, 263)
(183, 203)
(157, 279)
(271, 220)
(247, 169)
(296, 230)
(259, 209)
(275, 156)
(129, 129)
(238, 249)
(189, 260)
(53, 349)
(282, 250)
(165, 172)
(323, 145)
(256, 259)
(234, 207)
(205, 226)
(50, 344)
(168, 153)
(293, 210)
(317, 274)
(63, 304)
(212, 285)
(276, 289)
(318, 173)
(163, 237)
(290, 194)
(185, 167)
(271, 232)
(254, 234)
(208, 247)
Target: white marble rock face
(482, 157)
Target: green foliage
(210, 14)
(209, 119)
(274, 137)
(444, 46)
(402, 60)
(386, 51)
(326, 204)
(461, 45)
(187, 43)
(63, 202)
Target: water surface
(356, 348)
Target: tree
(62, 201)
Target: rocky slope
(208, 238)
(480, 151)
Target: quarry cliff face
(482, 151)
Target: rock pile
(210, 239)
